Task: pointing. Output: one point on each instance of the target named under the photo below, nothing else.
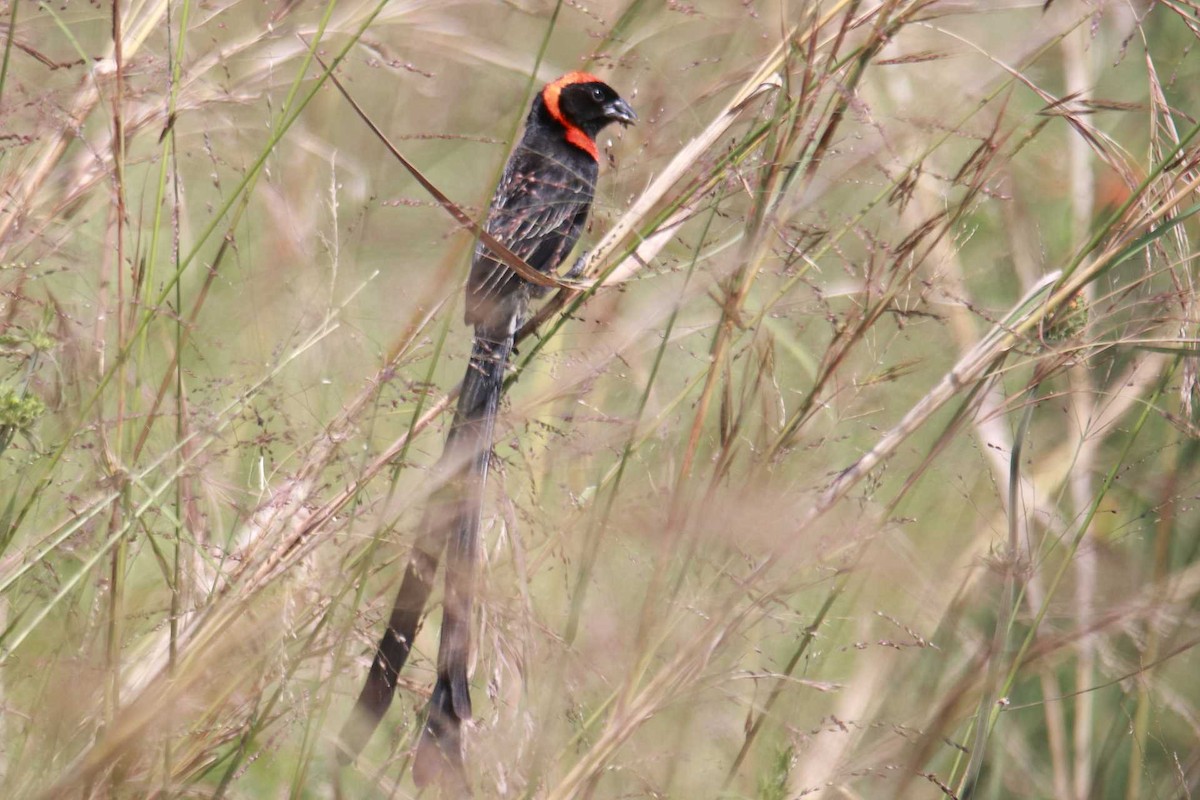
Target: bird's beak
(620, 111)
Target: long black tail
(439, 752)
(451, 517)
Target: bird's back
(538, 212)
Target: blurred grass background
(826, 496)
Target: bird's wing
(538, 214)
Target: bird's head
(584, 104)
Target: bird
(538, 211)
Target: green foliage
(751, 530)
(19, 411)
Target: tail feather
(439, 758)
(470, 442)
(451, 521)
(394, 647)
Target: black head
(584, 102)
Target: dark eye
(597, 93)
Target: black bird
(538, 212)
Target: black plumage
(538, 212)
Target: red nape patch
(550, 97)
(582, 141)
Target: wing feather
(538, 212)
